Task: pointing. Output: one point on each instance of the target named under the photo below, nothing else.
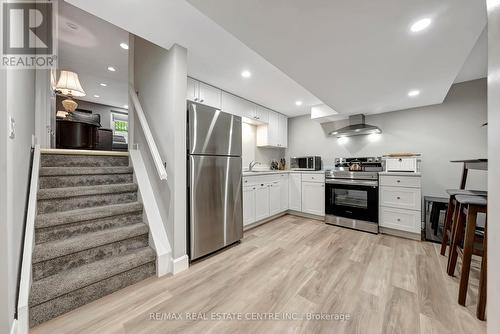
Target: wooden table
(478, 164)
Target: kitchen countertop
(268, 172)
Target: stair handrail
(153, 149)
(29, 241)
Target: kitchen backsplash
(261, 154)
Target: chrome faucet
(252, 165)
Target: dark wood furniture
(479, 164)
(474, 242)
(104, 139)
(72, 134)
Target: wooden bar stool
(452, 213)
(465, 230)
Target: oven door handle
(368, 183)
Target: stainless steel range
(351, 193)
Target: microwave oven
(305, 163)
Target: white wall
(493, 304)
(160, 77)
(443, 132)
(17, 100)
(250, 151)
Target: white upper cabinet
(210, 96)
(192, 90)
(275, 133)
(262, 114)
(203, 93)
(232, 104)
(283, 130)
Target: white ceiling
(88, 50)
(476, 65)
(358, 56)
(353, 56)
(214, 55)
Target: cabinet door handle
(399, 219)
(196, 99)
(400, 159)
(202, 100)
(398, 181)
(398, 197)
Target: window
(119, 125)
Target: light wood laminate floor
(292, 266)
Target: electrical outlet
(12, 128)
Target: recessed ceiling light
(103, 84)
(95, 95)
(421, 24)
(413, 93)
(124, 46)
(111, 68)
(298, 103)
(246, 74)
(125, 106)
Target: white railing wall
(29, 241)
(153, 149)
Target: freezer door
(216, 211)
(213, 132)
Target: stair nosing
(80, 171)
(59, 218)
(61, 276)
(102, 189)
(86, 246)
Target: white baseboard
(401, 234)
(163, 264)
(180, 264)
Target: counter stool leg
(470, 230)
(447, 225)
(456, 238)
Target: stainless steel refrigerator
(214, 179)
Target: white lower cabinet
(295, 192)
(284, 191)
(400, 203)
(265, 196)
(274, 198)
(261, 201)
(313, 198)
(399, 219)
(248, 205)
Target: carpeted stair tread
(64, 282)
(65, 171)
(54, 249)
(67, 217)
(83, 160)
(53, 193)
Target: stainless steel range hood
(357, 127)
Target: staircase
(90, 239)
